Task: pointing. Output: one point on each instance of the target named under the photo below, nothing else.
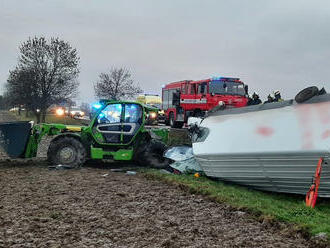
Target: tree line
(47, 73)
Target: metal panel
(291, 173)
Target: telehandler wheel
(66, 151)
(152, 155)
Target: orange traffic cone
(312, 193)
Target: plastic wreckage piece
(185, 161)
(130, 172)
(60, 167)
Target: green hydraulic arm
(40, 130)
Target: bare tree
(20, 89)
(50, 69)
(116, 85)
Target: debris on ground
(163, 171)
(197, 175)
(185, 161)
(321, 236)
(131, 172)
(60, 167)
(116, 170)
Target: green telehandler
(117, 131)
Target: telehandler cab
(117, 131)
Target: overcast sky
(270, 45)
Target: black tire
(152, 155)
(198, 113)
(171, 119)
(306, 94)
(167, 121)
(173, 123)
(67, 151)
(178, 124)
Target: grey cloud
(269, 44)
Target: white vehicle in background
(154, 101)
(75, 112)
(13, 109)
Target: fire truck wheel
(173, 123)
(167, 121)
(152, 155)
(197, 113)
(306, 94)
(178, 124)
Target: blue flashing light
(225, 79)
(216, 78)
(101, 115)
(118, 107)
(97, 106)
(133, 106)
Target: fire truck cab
(183, 99)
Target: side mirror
(246, 88)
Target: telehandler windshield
(118, 123)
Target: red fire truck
(183, 99)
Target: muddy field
(96, 207)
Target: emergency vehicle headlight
(221, 103)
(153, 115)
(59, 111)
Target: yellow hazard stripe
(73, 128)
